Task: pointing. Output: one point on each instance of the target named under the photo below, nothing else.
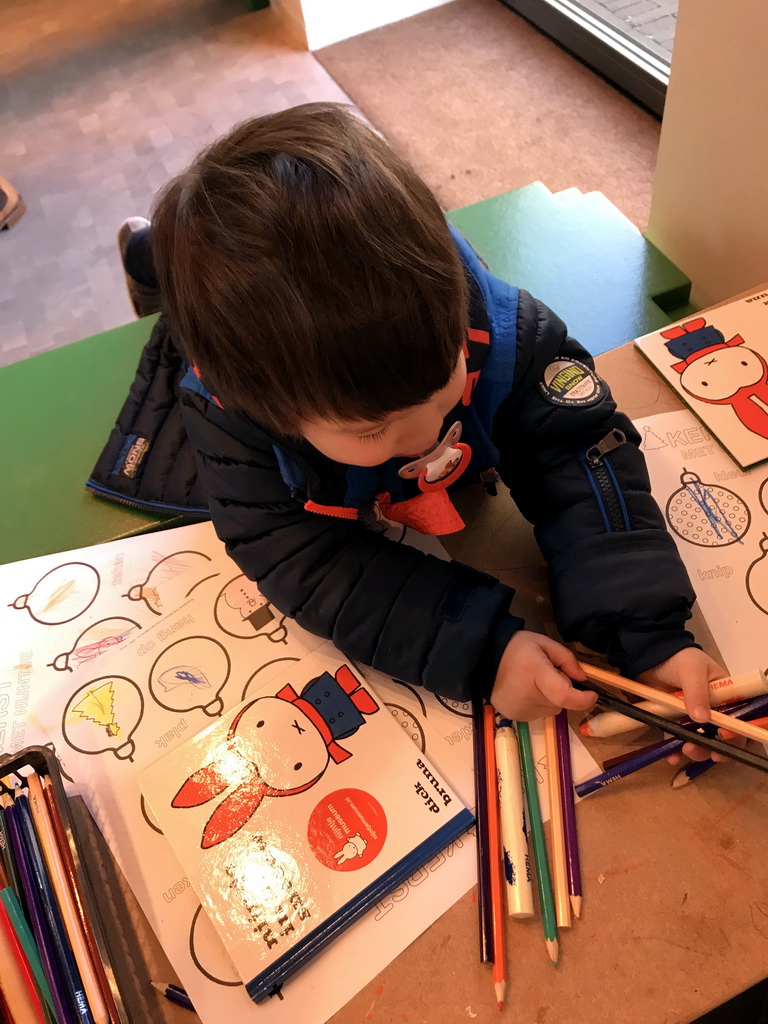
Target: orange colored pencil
(557, 827)
(65, 898)
(16, 981)
(494, 856)
(74, 885)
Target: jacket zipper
(604, 482)
(146, 506)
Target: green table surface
(56, 412)
(582, 257)
(576, 252)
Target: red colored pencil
(23, 1001)
(494, 856)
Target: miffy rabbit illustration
(277, 746)
(355, 846)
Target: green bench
(576, 252)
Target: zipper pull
(490, 477)
(611, 441)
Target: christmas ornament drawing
(707, 514)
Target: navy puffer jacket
(289, 516)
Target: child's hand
(533, 679)
(691, 671)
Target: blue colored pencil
(691, 771)
(72, 980)
(37, 917)
(750, 709)
(174, 994)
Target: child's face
(408, 432)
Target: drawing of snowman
(277, 746)
(355, 846)
(720, 372)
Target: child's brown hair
(309, 271)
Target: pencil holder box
(42, 760)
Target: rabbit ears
(232, 813)
(235, 810)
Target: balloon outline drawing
(149, 595)
(189, 675)
(145, 815)
(94, 649)
(62, 594)
(100, 710)
(710, 501)
(262, 668)
(194, 954)
(260, 612)
(751, 582)
(404, 718)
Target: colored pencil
(691, 772)
(569, 811)
(481, 816)
(749, 710)
(606, 678)
(6, 851)
(74, 885)
(651, 755)
(13, 908)
(64, 954)
(541, 864)
(684, 733)
(494, 857)
(174, 994)
(58, 877)
(728, 690)
(557, 826)
(16, 978)
(45, 943)
(514, 840)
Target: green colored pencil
(543, 880)
(20, 926)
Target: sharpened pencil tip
(501, 1005)
(576, 905)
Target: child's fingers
(557, 689)
(563, 658)
(696, 692)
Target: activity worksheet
(718, 517)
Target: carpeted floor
(480, 102)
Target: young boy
(346, 348)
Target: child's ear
(202, 786)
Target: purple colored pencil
(483, 852)
(64, 1014)
(569, 810)
(751, 709)
(755, 707)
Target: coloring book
(718, 365)
(296, 812)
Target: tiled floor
(99, 105)
(650, 23)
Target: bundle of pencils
(508, 813)
(50, 966)
(507, 802)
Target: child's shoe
(12, 206)
(145, 298)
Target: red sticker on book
(347, 829)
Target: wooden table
(675, 917)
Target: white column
(322, 22)
(709, 209)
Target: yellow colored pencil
(557, 826)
